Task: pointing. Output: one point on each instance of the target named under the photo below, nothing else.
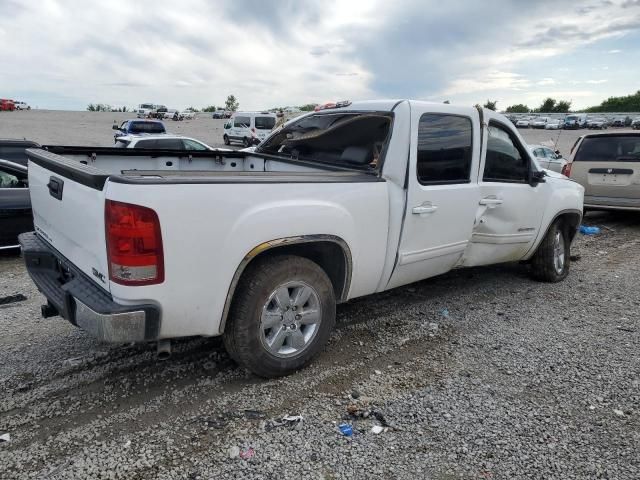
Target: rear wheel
(551, 261)
(226, 140)
(282, 315)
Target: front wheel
(281, 317)
(551, 261)
(246, 142)
(226, 140)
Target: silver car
(547, 158)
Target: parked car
(145, 109)
(13, 150)
(219, 114)
(163, 141)
(607, 165)
(171, 114)
(523, 122)
(15, 205)
(575, 121)
(539, 122)
(618, 122)
(335, 205)
(599, 123)
(7, 105)
(635, 123)
(249, 128)
(553, 124)
(138, 126)
(547, 158)
(188, 114)
(22, 106)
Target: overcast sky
(67, 53)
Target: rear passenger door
(442, 195)
(510, 209)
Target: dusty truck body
(260, 246)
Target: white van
(248, 128)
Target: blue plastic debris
(445, 312)
(589, 230)
(346, 429)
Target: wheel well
(330, 253)
(571, 222)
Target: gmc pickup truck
(150, 245)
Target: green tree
(309, 107)
(210, 108)
(91, 107)
(547, 106)
(519, 108)
(563, 106)
(491, 104)
(627, 103)
(231, 104)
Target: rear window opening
(609, 148)
(354, 140)
(146, 127)
(265, 123)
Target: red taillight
(566, 170)
(134, 244)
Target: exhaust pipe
(164, 349)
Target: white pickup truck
(141, 245)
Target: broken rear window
(354, 140)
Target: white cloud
(546, 81)
(615, 50)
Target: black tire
(544, 265)
(243, 335)
(226, 140)
(245, 142)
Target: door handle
(491, 201)
(424, 208)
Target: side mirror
(115, 127)
(537, 177)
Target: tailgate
(68, 199)
(609, 166)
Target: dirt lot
(478, 374)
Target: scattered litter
(5, 437)
(247, 454)
(356, 413)
(127, 444)
(377, 372)
(73, 362)
(433, 326)
(12, 299)
(576, 257)
(234, 452)
(592, 407)
(589, 230)
(625, 329)
(346, 429)
(376, 429)
(445, 312)
(290, 421)
(620, 413)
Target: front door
(510, 208)
(442, 194)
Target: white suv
(22, 106)
(248, 128)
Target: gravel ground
(480, 373)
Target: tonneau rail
(73, 170)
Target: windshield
(146, 105)
(146, 127)
(571, 118)
(265, 123)
(609, 148)
(354, 140)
